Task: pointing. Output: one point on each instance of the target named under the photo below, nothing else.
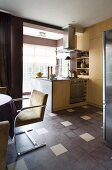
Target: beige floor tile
(19, 165)
(52, 114)
(58, 149)
(85, 107)
(100, 112)
(66, 123)
(41, 131)
(70, 110)
(85, 117)
(87, 137)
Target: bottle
(51, 70)
(83, 64)
(48, 72)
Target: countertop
(59, 79)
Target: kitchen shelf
(83, 64)
(80, 58)
(82, 68)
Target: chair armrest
(18, 99)
(32, 107)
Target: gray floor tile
(80, 155)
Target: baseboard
(100, 106)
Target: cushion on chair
(27, 116)
(4, 133)
(33, 115)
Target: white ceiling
(60, 12)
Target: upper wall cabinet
(83, 42)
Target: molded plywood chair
(3, 90)
(32, 114)
(4, 133)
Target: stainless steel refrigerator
(107, 88)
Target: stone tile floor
(65, 149)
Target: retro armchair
(4, 133)
(32, 114)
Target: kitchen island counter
(58, 91)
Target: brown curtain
(11, 55)
(5, 50)
(16, 58)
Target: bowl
(39, 74)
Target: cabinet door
(61, 94)
(83, 42)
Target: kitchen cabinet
(83, 63)
(58, 92)
(61, 94)
(83, 42)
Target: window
(63, 64)
(36, 58)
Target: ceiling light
(42, 34)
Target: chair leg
(36, 146)
(15, 146)
(21, 132)
(30, 150)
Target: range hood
(70, 37)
